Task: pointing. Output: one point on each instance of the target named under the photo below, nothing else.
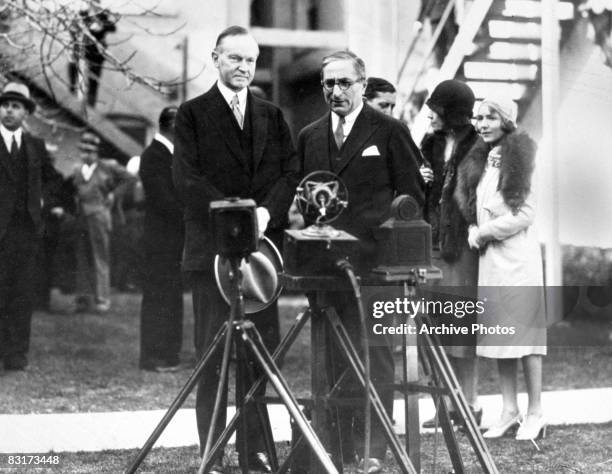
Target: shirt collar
(7, 136)
(349, 120)
(229, 94)
(164, 141)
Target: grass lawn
(568, 449)
(89, 363)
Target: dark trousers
(211, 311)
(161, 313)
(17, 262)
(349, 422)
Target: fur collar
(517, 163)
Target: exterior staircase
(498, 51)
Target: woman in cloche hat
(495, 196)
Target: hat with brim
(19, 92)
(260, 281)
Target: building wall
(584, 142)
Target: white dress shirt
(229, 94)
(349, 120)
(164, 141)
(7, 136)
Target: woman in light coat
(494, 194)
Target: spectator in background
(95, 181)
(88, 43)
(381, 95)
(161, 313)
(432, 11)
(26, 173)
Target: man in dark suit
(230, 143)
(25, 172)
(161, 314)
(375, 156)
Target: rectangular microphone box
(306, 255)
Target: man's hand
(57, 211)
(474, 240)
(263, 217)
(427, 174)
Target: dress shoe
(503, 427)
(259, 462)
(477, 414)
(375, 465)
(533, 427)
(15, 362)
(216, 469)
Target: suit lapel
(221, 118)
(321, 145)
(362, 130)
(259, 125)
(5, 159)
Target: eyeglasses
(342, 83)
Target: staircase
(498, 51)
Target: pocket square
(371, 151)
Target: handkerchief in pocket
(371, 151)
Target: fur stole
(517, 163)
(449, 229)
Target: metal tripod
(244, 333)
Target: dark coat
(372, 181)
(43, 181)
(448, 227)
(163, 225)
(209, 164)
(518, 152)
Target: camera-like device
(233, 223)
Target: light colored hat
(507, 108)
(20, 92)
(260, 282)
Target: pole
(185, 68)
(550, 112)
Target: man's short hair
(345, 55)
(166, 118)
(376, 85)
(233, 30)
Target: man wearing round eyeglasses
(375, 156)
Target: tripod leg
(446, 377)
(279, 354)
(251, 336)
(442, 411)
(246, 379)
(352, 357)
(241, 434)
(178, 401)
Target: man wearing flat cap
(95, 180)
(26, 175)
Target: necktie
(339, 133)
(236, 110)
(14, 149)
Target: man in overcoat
(230, 143)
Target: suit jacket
(163, 223)
(210, 165)
(43, 179)
(388, 168)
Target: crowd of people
(471, 176)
